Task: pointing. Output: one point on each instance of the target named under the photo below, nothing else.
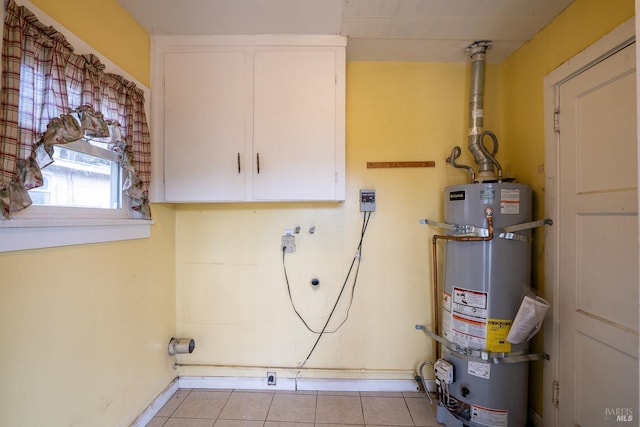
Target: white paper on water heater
(528, 319)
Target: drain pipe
(477, 51)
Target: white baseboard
(319, 384)
(356, 385)
(157, 404)
(236, 383)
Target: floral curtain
(51, 95)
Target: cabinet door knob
(258, 162)
(239, 163)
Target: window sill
(23, 234)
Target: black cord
(355, 258)
(358, 255)
(286, 278)
(365, 223)
(293, 305)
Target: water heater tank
(484, 283)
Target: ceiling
(377, 30)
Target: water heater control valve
(444, 372)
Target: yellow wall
(107, 27)
(231, 291)
(579, 26)
(88, 343)
(84, 329)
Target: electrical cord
(355, 279)
(357, 257)
(286, 279)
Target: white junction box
(367, 200)
(288, 243)
(444, 371)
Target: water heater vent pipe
(485, 160)
(477, 52)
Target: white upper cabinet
(294, 125)
(204, 126)
(251, 118)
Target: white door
(598, 245)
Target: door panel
(600, 276)
(596, 382)
(604, 161)
(598, 264)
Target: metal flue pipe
(477, 51)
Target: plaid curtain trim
(43, 79)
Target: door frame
(619, 38)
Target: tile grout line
(184, 398)
(266, 416)
(413, 421)
(315, 410)
(364, 421)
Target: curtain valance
(51, 95)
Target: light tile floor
(249, 408)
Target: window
(74, 142)
(81, 176)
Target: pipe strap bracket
(458, 229)
(481, 355)
(509, 232)
(514, 236)
(527, 225)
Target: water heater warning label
(509, 201)
(469, 302)
(479, 369)
(468, 331)
(497, 331)
(489, 417)
(447, 331)
(469, 318)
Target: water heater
(483, 284)
(481, 372)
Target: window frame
(85, 147)
(48, 226)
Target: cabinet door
(294, 125)
(204, 126)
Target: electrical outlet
(271, 378)
(288, 243)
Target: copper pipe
(436, 293)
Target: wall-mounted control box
(443, 371)
(367, 200)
